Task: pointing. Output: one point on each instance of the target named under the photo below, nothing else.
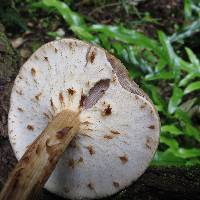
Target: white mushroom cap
(119, 130)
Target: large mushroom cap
(119, 130)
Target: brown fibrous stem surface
(38, 162)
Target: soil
(167, 13)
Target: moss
(9, 65)
(9, 60)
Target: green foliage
(171, 80)
(9, 15)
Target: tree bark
(156, 183)
(9, 65)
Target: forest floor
(164, 15)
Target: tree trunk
(9, 65)
(156, 184)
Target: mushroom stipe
(77, 124)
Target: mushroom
(101, 130)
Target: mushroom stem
(40, 159)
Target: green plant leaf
(163, 75)
(132, 55)
(188, 78)
(156, 97)
(128, 36)
(188, 31)
(83, 33)
(175, 99)
(172, 143)
(170, 55)
(193, 58)
(105, 41)
(172, 129)
(167, 158)
(186, 153)
(187, 105)
(121, 51)
(187, 9)
(193, 162)
(72, 18)
(182, 116)
(192, 87)
(192, 132)
(160, 65)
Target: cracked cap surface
(119, 130)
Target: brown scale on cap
(83, 97)
(151, 127)
(36, 57)
(19, 92)
(91, 56)
(149, 143)
(56, 50)
(30, 127)
(136, 97)
(33, 71)
(91, 186)
(124, 159)
(116, 184)
(107, 111)
(109, 137)
(37, 97)
(52, 105)
(80, 159)
(70, 45)
(61, 98)
(91, 149)
(87, 129)
(87, 123)
(20, 109)
(71, 163)
(87, 83)
(71, 91)
(143, 105)
(46, 58)
(115, 132)
(46, 115)
(114, 78)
